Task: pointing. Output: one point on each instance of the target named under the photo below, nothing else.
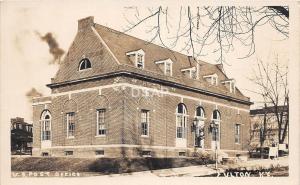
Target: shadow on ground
(102, 165)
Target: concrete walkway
(174, 172)
(256, 164)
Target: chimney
(220, 66)
(85, 23)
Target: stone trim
(152, 79)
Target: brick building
(257, 117)
(116, 95)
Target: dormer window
(140, 61)
(230, 85)
(212, 79)
(165, 66)
(137, 57)
(84, 64)
(190, 72)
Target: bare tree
(220, 28)
(261, 130)
(273, 88)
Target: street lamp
(213, 128)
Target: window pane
(168, 69)
(139, 60)
(181, 126)
(85, 64)
(101, 122)
(181, 109)
(145, 122)
(216, 115)
(200, 112)
(193, 74)
(237, 133)
(45, 126)
(71, 124)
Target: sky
(26, 61)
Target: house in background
(271, 130)
(115, 95)
(21, 136)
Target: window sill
(70, 137)
(82, 70)
(146, 156)
(99, 156)
(100, 136)
(144, 136)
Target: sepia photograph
(164, 90)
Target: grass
(101, 165)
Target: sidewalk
(256, 164)
(174, 172)
(196, 171)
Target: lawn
(101, 165)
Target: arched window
(181, 121)
(46, 125)
(84, 64)
(199, 127)
(216, 118)
(200, 112)
(216, 115)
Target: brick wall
(123, 119)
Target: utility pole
(263, 131)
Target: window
(138, 57)
(230, 85)
(68, 153)
(216, 117)
(99, 152)
(140, 61)
(145, 122)
(200, 112)
(165, 66)
(212, 79)
(84, 64)
(181, 121)
(45, 154)
(101, 128)
(190, 72)
(146, 153)
(168, 69)
(46, 125)
(70, 124)
(194, 74)
(237, 133)
(181, 154)
(199, 127)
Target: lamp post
(214, 127)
